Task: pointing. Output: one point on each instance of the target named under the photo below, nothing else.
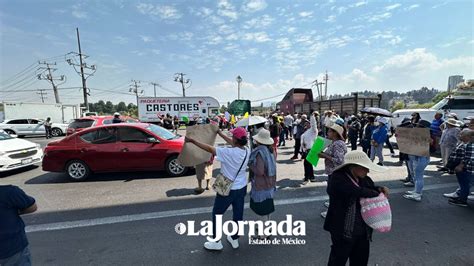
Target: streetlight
(239, 80)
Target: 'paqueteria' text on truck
(150, 109)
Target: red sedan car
(115, 148)
(94, 121)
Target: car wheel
(77, 170)
(174, 168)
(9, 132)
(56, 132)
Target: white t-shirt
(231, 159)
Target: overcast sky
(272, 45)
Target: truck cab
(462, 105)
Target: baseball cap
(239, 133)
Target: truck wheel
(77, 170)
(174, 168)
(56, 132)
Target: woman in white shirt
(234, 161)
(307, 141)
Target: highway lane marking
(184, 212)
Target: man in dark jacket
(354, 129)
(13, 242)
(300, 127)
(350, 235)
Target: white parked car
(31, 127)
(17, 153)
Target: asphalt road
(130, 218)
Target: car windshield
(161, 132)
(4, 136)
(440, 104)
(81, 123)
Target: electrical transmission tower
(82, 65)
(179, 77)
(42, 92)
(48, 75)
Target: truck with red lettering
(151, 109)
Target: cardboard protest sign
(318, 146)
(192, 155)
(414, 141)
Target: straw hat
(452, 122)
(338, 129)
(263, 137)
(360, 158)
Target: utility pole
(179, 77)
(42, 92)
(82, 65)
(326, 85)
(154, 87)
(134, 88)
(49, 77)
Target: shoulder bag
(376, 211)
(223, 184)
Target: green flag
(318, 146)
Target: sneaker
(294, 158)
(324, 214)
(210, 245)
(380, 163)
(457, 202)
(326, 204)
(313, 179)
(451, 195)
(409, 184)
(410, 192)
(233, 242)
(305, 182)
(414, 196)
(470, 197)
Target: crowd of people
(256, 147)
(346, 171)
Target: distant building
(453, 81)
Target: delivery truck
(59, 113)
(151, 109)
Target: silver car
(31, 127)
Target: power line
(268, 98)
(27, 69)
(20, 74)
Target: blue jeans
(22, 258)
(282, 137)
(236, 198)
(377, 151)
(465, 179)
(417, 165)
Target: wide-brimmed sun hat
(263, 137)
(452, 122)
(338, 129)
(360, 158)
